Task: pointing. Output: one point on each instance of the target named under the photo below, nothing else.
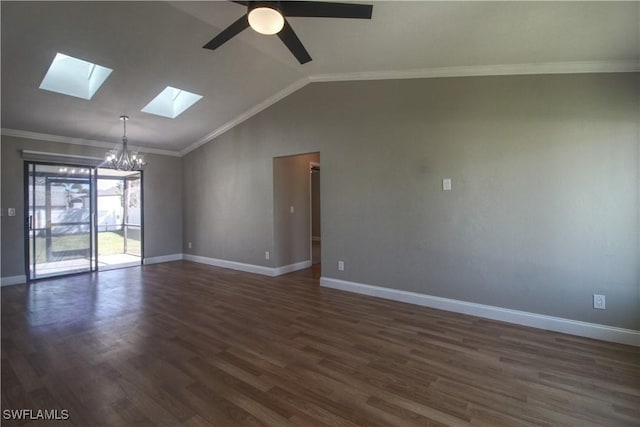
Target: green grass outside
(109, 243)
(112, 243)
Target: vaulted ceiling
(151, 45)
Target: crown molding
(80, 141)
(298, 84)
(575, 67)
(487, 70)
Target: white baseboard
(278, 271)
(249, 268)
(240, 266)
(13, 280)
(163, 258)
(541, 321)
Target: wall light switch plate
(11, 211)
(340, 265)
(266, 255)
(291, 209)
(446, 184)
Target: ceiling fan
(270, 17)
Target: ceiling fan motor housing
(270, 4)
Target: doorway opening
(81, 219)
(293, 207)
(316, 243)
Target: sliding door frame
(29, 220)
(124, 179)
(127, 186)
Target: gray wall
(292, 187)
(544, 208)
(162, 200)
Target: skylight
(74, 77)
(171, 102)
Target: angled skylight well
(74, 77)
(171, 102)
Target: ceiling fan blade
(320, 9)
(291, 40)
(233, 29)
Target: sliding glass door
(119, 219)
(133, 215)
(81, 219)
(59, 219)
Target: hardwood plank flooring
(185, 344)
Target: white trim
(575, 67)
(541, 321)
(249, 268)
(298, 84)
(13, 280)
(487, 70)
(162, 258)
(240, 266)
(80, 141)
(278, 271)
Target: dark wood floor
(187, 344)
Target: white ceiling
(151, 45)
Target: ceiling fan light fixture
(266, 20)
(271, 17)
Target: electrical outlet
(340, 265)
(599, 302)
(291, 209)
(446, 184)
(189, 245)
(266, 254)
(11, 211)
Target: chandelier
(124, 160)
